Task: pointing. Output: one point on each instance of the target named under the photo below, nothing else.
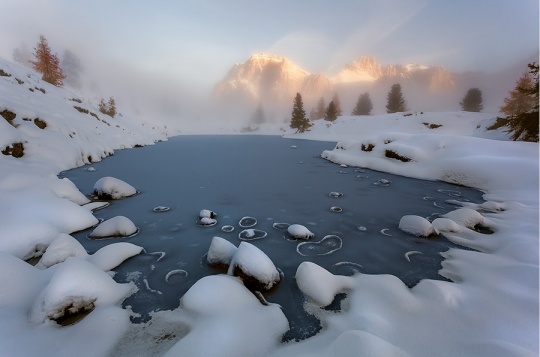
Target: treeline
(521, 107)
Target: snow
(415, 225)
(490, 307)
(299, 231)
(118, 226)
(254, 263)
(114, 188)
(220, 251)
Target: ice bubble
(207, 222)
(221, 251)
(428, 198)
(205, 213)
(175, 276)
(408, 254)
(299, 231)
(294, 146)
(336, 209)
(161, 209)
(247, 222)
(335, 194)
(254, 267)
(118, 226)
(362, 177)
(112, 188)
(281, 226)
(343, 165)
(91, 169)
(252, 234)
(385, 232)
(325, 246)
(361, 228)
(416, 225)
(227, 229)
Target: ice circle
(361, 228)
(227, 229)
(335, 194)
(247, 222)
(347, 268)
(281, 226)
(252, 234)
(175, 276)
(161, 209)
(325, 246)
(336, 209)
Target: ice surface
(113, 188)
(118, 226)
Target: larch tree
(472, 102)
(395, 101)
(524, 125)
(331, 112)
(363, 105)
(299, 121)
(47, 63)
(518, 100)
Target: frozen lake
(274, 180)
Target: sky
(195, 42)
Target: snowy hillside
(489, 308)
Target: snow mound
(76, 286)
(254, 267)
(416, 225)
(118, 226)
(60, 249)
(113, 188)
(319, 284)
(468, 217)
(299, 231)
(221, 251)
(206, 213)
(112, 255)
(445, 225)
(207, 222)
(230, 321)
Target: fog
(162, 60)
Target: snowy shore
(489, 308)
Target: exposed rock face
(363, 69)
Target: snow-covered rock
(118, 226)
(254, 267)
(112, 255)
(319, 284)
(416, 225)
(445, 225)
(60, 249)
(113, 188)
(468, 217)
(77, 286)
(299, 231)
(206, 213)
(221, 251)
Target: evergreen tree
(319, 111)
(71, 64)
(472, 102)
(331, 112)
(524, 125)
(518, 100)
(47, 63)
(395, 101)
(337, 105)
(363, 105)
(258, 116)
(299, 120)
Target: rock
(299, 231)
(254, 267)
(112, 188)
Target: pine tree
(47, 63)
(524, 125)
(318, 113)
(518, 100)
(363, 105)
(395, 101)
(71, 65)
(299, 120)
(331, 112)
(472, 102)
(337, 104)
